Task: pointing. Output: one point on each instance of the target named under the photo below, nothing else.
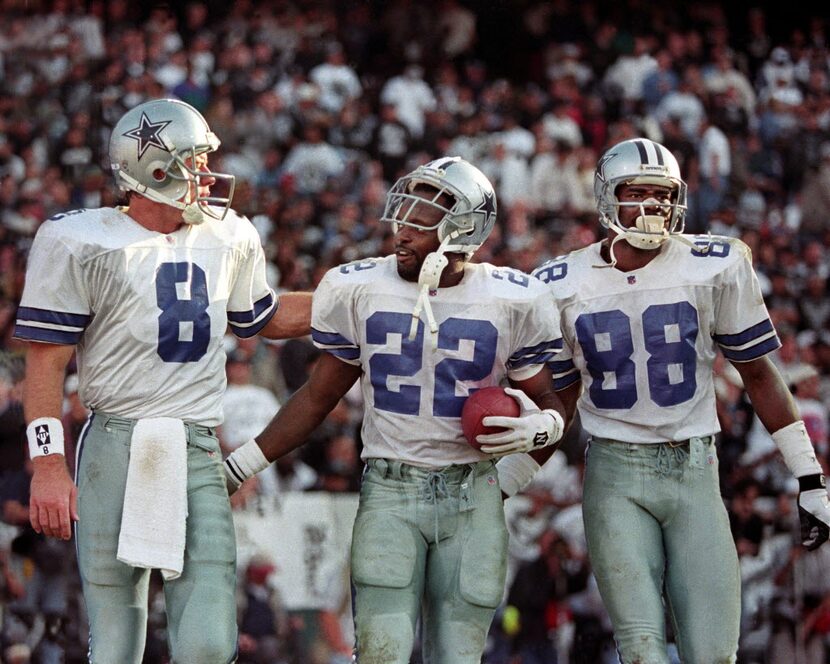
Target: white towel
(153, 522)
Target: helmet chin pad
(649, 230)
(647, 239)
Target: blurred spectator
(74, 418)
(661, 81)
(536, 605)
(311, 162)
(815, 198)
(803, 380)
(13, 457)
(337, 80)
(624, 78)
(560, 127)
(264, 630)
(411, 96)
(722, 75)
(715, 161)
(392, 142)
(456, 25)
(508, 172)
(341, 469)
(248, 408)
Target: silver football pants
(201, 603)
(657, 528)
(431, 544)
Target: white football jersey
(496, 323)
(643, 342)
(147, 311)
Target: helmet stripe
(659, 150)
(641, 148)
(440, 166)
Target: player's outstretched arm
(53, 495)
(776, 409)
(330, 379)
(293, 317)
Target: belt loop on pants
(191, 430)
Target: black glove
(813, 511)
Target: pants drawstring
(434, 489)
(669, 457)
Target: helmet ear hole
(159, 174)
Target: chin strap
(649, 233)
(613, 262)
(428, 280)
(193, 214)
(702, 248)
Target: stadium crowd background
(320, 105)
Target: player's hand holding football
(813, 511)
(533, 429)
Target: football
(483, 403)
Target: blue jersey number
(448, 372)
(669, 336)
(184, 324)
(406, 363)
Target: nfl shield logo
(632, 279)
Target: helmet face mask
(466, 223)
(153, 152)
(641, 162)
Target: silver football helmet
(467, 223)
(153, 151)
(641, 161)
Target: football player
(144, 295)
(421, 329)
(644, 313)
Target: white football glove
(814, 512)
(533, 429)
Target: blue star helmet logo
(488, 205)
(147, 134)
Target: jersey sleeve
(565, 372)
(539, 338)
(333, 327)
(252, 303)
(743, 329)
(55, 306)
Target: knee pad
(208, 650)
(383, 551)
(483, 567)
(384, 639)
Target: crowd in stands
(320, 105)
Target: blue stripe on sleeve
(538, 354)
(251, 330)
(561, 366)
(55, 317)
(538, 348)
(565, 381)
(329, 338)
(252, 314)
(46, 334)
(753, 352)
(539, 358)
(345, 353)
(741, 338)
